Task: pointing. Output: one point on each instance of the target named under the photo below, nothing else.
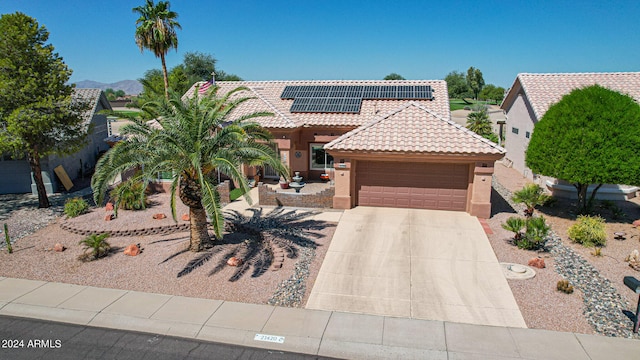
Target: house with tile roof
(528, 100)
(15, 175)
(385, 143)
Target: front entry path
(423, 264)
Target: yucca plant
(196, 139)
(531, 195)
(95, 247)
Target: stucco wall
(519, 116)
(14, 177)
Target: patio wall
(323, 199)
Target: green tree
(156, 31)
(39, 115)
(194, 143)
(591, 136)
(475, 81)
(479, 122)
(457, 85)
(394, 76)
(492, 92)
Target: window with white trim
(515, 130)
(319, 158)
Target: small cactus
(565, 287)
(7, 239)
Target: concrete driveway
(424, 264)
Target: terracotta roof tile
(543, 90)
(267, 98)
(417, 129)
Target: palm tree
(531, 195)
(479, 123)
(196, 139)
(156, 31)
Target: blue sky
(349, 39)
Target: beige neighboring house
(529, 99)
(384, 143)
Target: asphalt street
(22, 338)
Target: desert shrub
(588, 231)
(75, 206)
(531, 195)
(564, 286)
(534, 235)
(130, 195)
(95, 246)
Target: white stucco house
(15, 175)
(528, 100)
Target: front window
(320, 159)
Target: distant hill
(130, 87)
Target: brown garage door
(412, 185)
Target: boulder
(59, 247)
(537, 262)
(634, 260)
(132, 250)
(234, 261)
(185, 217)
(636, 223)
(108, 207)
(159, 216)
(109, 217)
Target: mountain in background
(130, 87)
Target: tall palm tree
(196, 139)
(156, 31)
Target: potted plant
(284, 183)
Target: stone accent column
(481, 193)
(343, 181)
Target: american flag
(205, 87)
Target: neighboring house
(15, 175)
(385, 143)
(529, 99)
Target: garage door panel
(412, 185)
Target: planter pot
(284, 185)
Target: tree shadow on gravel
(259, 241)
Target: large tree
(197, 138)
(394, 76)
(475, 81)
(591, 136)
(39, 115)
(156, 31)
(457, 85)
(492, 92)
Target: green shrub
(75, 206)
(564, 286)
(95, 246)
(588, 231)
(129, 195)
(535, 232)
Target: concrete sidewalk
(316, 332)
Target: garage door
(412, 185)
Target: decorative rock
(132, 250)
(109, 217)
(636, 223)
(159, 216)
(234, 261)
(59, 247)
(185, 217)
(634, 260)
(108, 207)
(537, 262)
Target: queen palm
(197, 138)
(156, 31)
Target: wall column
(481, 192)
(343, 183)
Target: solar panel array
(348, 98)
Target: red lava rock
(537, 262)
(234, 261)
(185, 217)
(109, 217)
(109, 207)
(636, 223)
(159, 216)
(59, 248)
(132, 250)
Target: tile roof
(267, 98)
(96, 97)
(543, 90)
(416, 129)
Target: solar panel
(348, 98)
